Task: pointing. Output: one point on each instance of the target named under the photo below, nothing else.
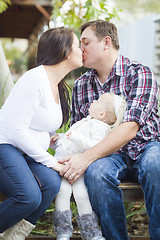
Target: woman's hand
(58, 167)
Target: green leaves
(131, 209)
(74, 13)
(4, 5)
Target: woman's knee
(53, 183)
(31, 197)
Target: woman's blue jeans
(30, 187)
(102, 179)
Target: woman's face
(75, 57)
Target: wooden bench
(132, 192)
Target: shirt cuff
(135, 115)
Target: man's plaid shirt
(137, 84)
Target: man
(132, 149)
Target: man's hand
(75, 167)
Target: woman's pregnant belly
(42, 138)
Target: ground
(138, 223)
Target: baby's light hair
(120, 108)
(115, 106)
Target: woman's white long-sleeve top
(29, 115)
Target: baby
(105, 114)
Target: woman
(36, 107)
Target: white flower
(95, 4)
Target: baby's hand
(68, 135)
(54, 139)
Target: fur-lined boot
(1, 235)
(89, 228)
(62, 221)
(19, 231)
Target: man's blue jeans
(102, 179)
(31, 187)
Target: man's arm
(77, 164)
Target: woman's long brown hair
(54, 47)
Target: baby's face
(96, 107)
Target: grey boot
(62, 221)
(88, 224)
(19, 231)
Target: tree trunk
(6, 81)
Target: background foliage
(134, 6)
(4, 5)
(74, 13)
(14, 54)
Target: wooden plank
(79, 238)
(139, 238)
(132, 192)
(50, 238)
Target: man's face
(92, 48)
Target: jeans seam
(39, 183)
